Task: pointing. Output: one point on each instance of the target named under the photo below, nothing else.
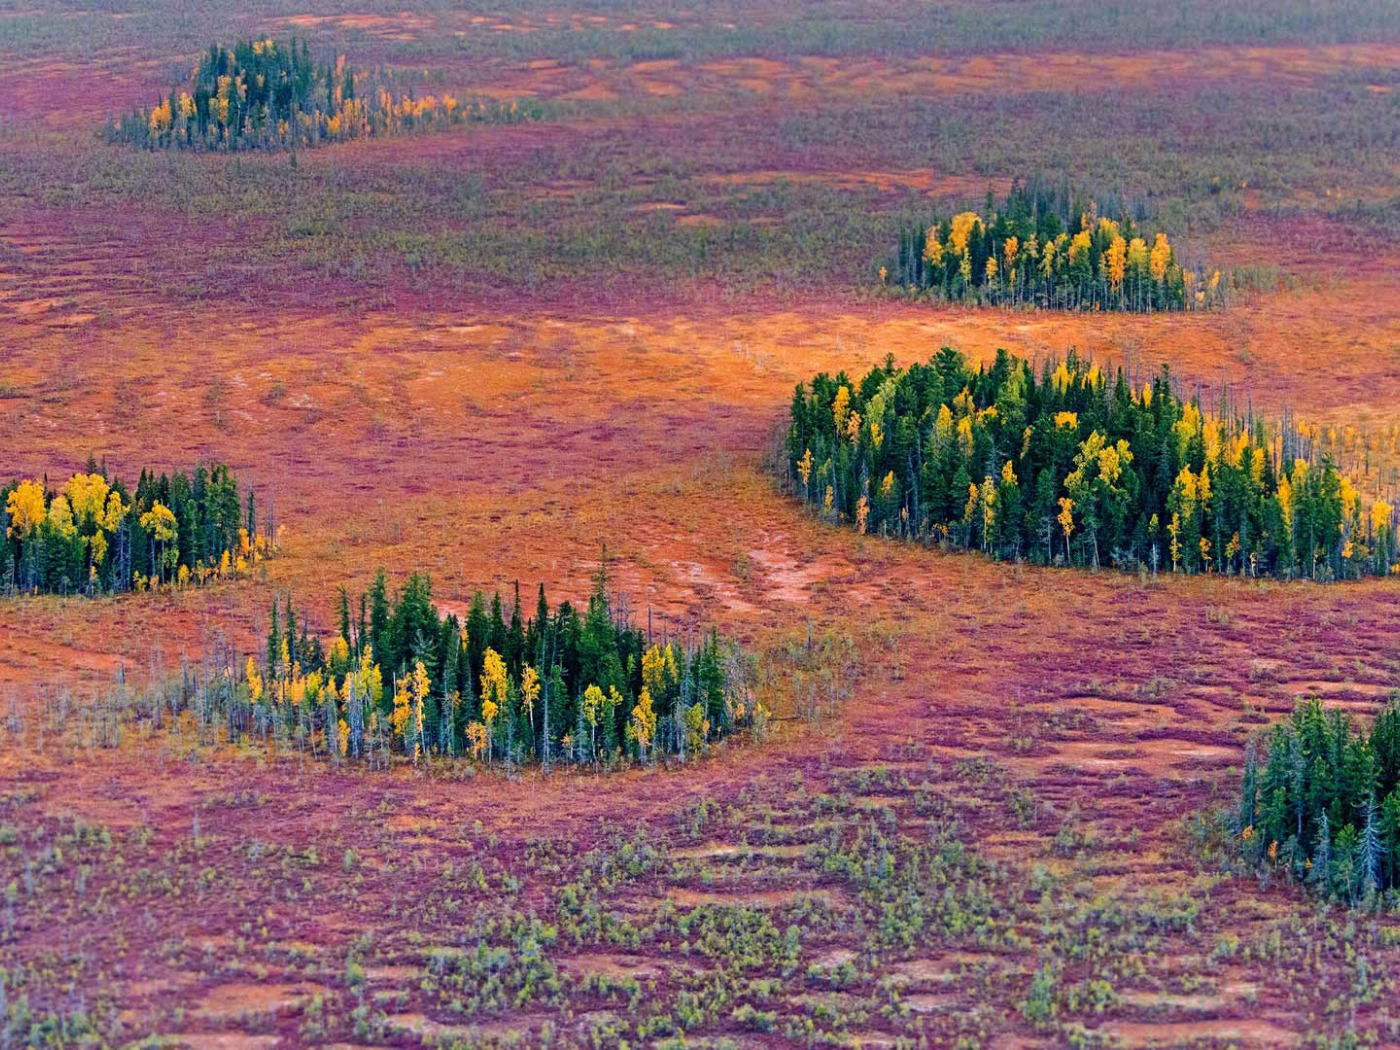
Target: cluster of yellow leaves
(853, 422)
(407, 110)
(1382, 513)
(1011, 249)
(697, 727)
(285, 684)
(841, 409)
(161, 121)
(1116, 262)
(1096, 454)
(963, 225)
(970, 507)
(1066, 516)
(593, 701)
(641, 727)
(529, 690)
(933, 249)
(659, 664)
(1187, 427)
(804, 468)
(160, 522)
(1160, 258)
(26, 509)
(988, 502)
(495, 687)
(965, 438)
(478, 739)
(1079, 248)
(406, 719)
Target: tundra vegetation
(996, 804)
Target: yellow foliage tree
(418, 685)
(159, 521)
(840, 409)
(963, 225)
(1079, 247)
(1116, 263)
(1161, 258)
(593, 702)
(657, 663)
(61, 516)
(255, 682)
(642, 726)
(478, 739)
(495, 688)
(26, 510)
(87, 496)
(529, 693)
(1066, 520)
(933, 249)
(399, 716)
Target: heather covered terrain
(993, 803)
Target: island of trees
(1324, 809)
(1080, 467)
(269, 94)
(583, 686)
(95, 535)
(1046, 247)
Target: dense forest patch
(1051, 248)
(582, 686)
(1082, 468)
(96, 535)
(1324, 808)
(267, 94)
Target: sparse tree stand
(504, 691)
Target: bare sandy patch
(613, 965)
(692, 898)
(223, 1041)
(231, 1001)
(1256, 1032)
(944, 969)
